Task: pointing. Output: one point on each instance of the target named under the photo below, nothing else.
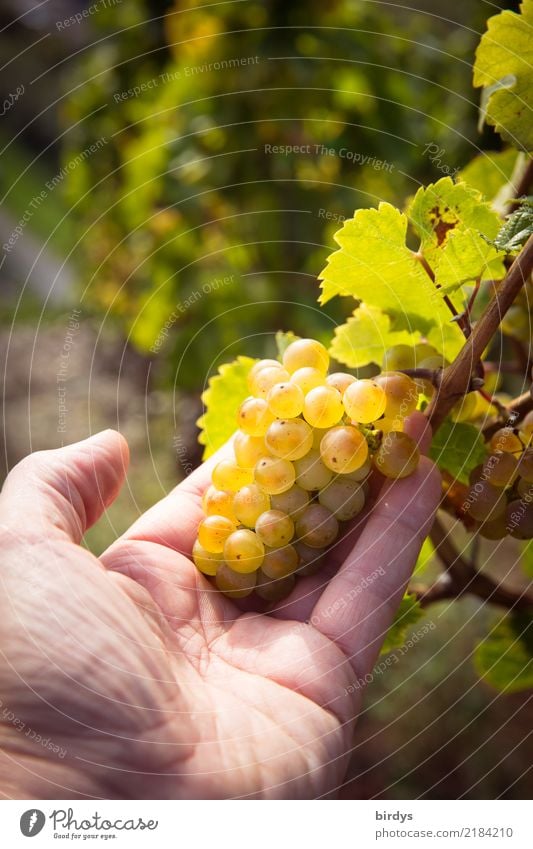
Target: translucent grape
(505, 439)
(285, 400)
(343, 449)
(234, 584)
(486, 502)
(248, 504)
(289, 438)
(311, 472)
(306, 353)
(254, 417)
(248, 449)
(317, 527)
(219, 502)
(206, 561)
(345, 498)
(280, 562)
(364, 401)
(436, 361)
(274, 528)
(274, 475)
(520, 519)
(230, 476)
(256, 368)
(311, 559)
(323, 407)
(274, 589)
(401, 394)
(397, 456)
(399, 357)
(340, 380)
(292, 502)
(500, 469)
(244, 551)
(307, 379)
(268, 377)
(213, 532)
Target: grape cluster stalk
(307, 440)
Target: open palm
(130, 677)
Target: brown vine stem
(456, 377)
(461, 577)
(515, 409)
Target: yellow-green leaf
(489, 172)
(504, 658)
(465, 256)
(365, 337)
(407, 614)
(223, 396)
(458, 448)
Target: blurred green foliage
(184, 193)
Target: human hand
(129, 676)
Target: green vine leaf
(408, 613)
(224, 394)
(365, 337)
(504, 69)
(489, 172)
(425, 558)
(505, 657)
(517, 229)
(458, 448)
(466, 256)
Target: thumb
(64, 491)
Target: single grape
(248, 449)
(397, 456)
(257, 367)
(494, 530)
(436, 361)
(520, 519)
(280, 562)
(307, 379)
(505, 439)
(285, 400)
(213, 532)
(274, 475)
(311, 473)
(244, 551)
(399, 357)
(306, 353)
(206, 561)
(340, 381)
(274, 528)
(292, 502)
(525, 469)
(311, 559)
(345, 498)
(317, 527)
(274, 589)
(234, 584)
(344, 449)
(219, 502)
(229, 476)
(500, 469)
(289, 438)
(248, 504)
(267, 378)
(254, 417)
(401, 394)
(486, 502)
(364, 401)
(323, 407)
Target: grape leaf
(283, 340)
(374, 265)
(489, 172)
(504, 657)
(504, 69)
(407, 614)
(425, 558)
(365, 337)
(458, 448)
(465, 256)
(517, 229)
(225, 392)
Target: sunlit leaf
(365, 337)
(221, 399)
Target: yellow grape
(505, 439)
(213, 532)
(323, 407)
(206, 561)
(343, 449)
(230, 476)
(307, 379)
(501, 469)
(311, 559)
(340, 381)
(244, 551)
(364, 401)
(248, 449)
(401, 394)
(268, 377)
(292, 502)
(385, 425)
(219, 502)
(289, 438)
(254, 417)
(274, 528)
(274, 589)
(280, 562)
(274, 475)
(285, 400)
(486, 502)
(397, 456)
(399, 357)
(345, 498)
(311, 472)
(306, 353)
(258, 366)
(317, 527)
(234, 584)
(248, 504)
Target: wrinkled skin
(142, 681)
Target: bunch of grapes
(306, 443)
(500, 498)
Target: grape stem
(461, 577)
(514, 410)
(456, 378)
